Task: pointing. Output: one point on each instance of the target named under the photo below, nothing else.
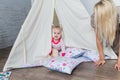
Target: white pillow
(74, 52)
(93, 55)
(62, 64)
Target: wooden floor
(85, 71)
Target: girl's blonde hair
(106, 20)
(57, 27)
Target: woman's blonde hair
(105, 20)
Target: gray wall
(12, 16)
(89, 5)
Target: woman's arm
(101, 60)
(117, 65)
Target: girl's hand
(100, 62)
(117, 66)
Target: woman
(106, 22)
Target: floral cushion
(5, 75)
(74, 52)
(93, 55)
(63, 64)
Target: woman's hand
(100, 62)
(117, 66)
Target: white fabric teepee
(34, 40)
(117, 2)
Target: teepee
(33, 43)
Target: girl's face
(56, 33)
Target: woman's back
(117, 37)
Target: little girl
(58, 47)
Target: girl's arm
(101, 60)
(62, 48)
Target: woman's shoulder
(118, 10)
(92, 21)
(118, 14)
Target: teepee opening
(55, 19)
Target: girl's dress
(59, 45)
